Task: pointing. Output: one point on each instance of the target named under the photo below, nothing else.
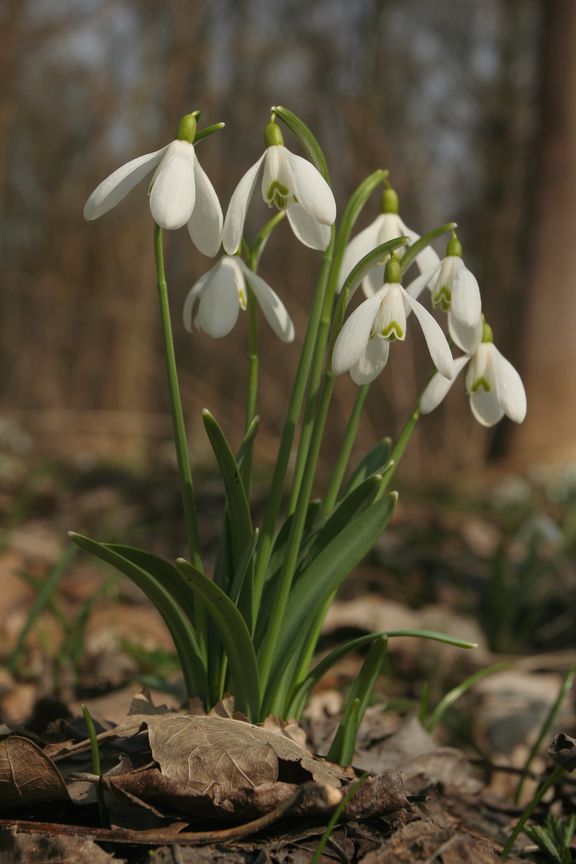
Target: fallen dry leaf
(27, 775)
(204, 750)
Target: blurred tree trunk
(549, 432)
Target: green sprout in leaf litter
(248, 622)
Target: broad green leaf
(325, 573)
(305, 137)
(166, 603)
(372, 463)
(352, 505)
(235, 638)
(422, 242)
(342, 748)
(238, 518)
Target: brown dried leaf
(150, 789)
(201, 751)
(27, 775)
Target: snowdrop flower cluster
(180, 193)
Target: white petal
(234, 221)
(363, 243)
(313, 234)
(173, 190)
(466, 338)
(115, 187)
(374, 280)
(205, 224)
(219, 304)
(509, 388)
(272, 307)
(311, 190)
(192, 296)
(438, 387)
(390, 321)
(353, 338)
(428, 259)
(466, 304)
(372, 361)
(435, 339)
(418, 284)
(486, 408)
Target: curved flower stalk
(180, 192)
(289, 183)
(222, 292)
(454, 289)
(362, 345)
(385, 227)
(492, 383)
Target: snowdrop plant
(248, 621)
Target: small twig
(162, 836)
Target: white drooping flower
(454, 289)
(362, 345)
(289, 183)
(180, 192)
(222, 292)
(387, 226)
(492, 383)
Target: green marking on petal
(242, 299)
(392, 331)
(279, 196)
(442, 297)
(481, 384)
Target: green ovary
(443, 298)
(278, 195)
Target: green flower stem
(402, 443)
(297, 398)
(552, 778)
(351, 213)
(344, 456)
(180, 441)
(294, 541)
(96, 767)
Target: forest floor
(496, 567)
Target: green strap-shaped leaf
(325, 573)
(234, 635)
(342, 748)
(238, 510)
(372, 463)
(305, 137)
(165, 601)
(304, 689)
(355, 503)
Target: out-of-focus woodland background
(472, 107)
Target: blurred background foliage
(470, 105)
